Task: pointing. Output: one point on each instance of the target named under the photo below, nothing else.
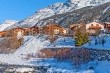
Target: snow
(99, 39)
(103, 67)
(99, 66)
(33, 45)
(6, 24)
(108, 8)
(61, 66)
(19, 35)
(28, 47)
(57, 8)
(55, 64)
(63, 42)
(22, 70)
(84, 3)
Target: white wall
(94, 24)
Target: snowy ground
(63, 42)
(99, 45)
(32, 45)
(60, 66)
(68, 67)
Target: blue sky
(20, 9)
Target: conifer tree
(81, 38)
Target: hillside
(6, 24)
(88, 14)
(69, 12)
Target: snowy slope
(57, 8)
(84, 3)
(51, 10)
(29, 47)
(6, 24)
(98, 41)
(32, 45)
(63, 42)
(107, 9)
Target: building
(34, 30)
(15, 32)
(94, 27)
(54, 29)
(107, 27)
(2, 33)
(75, 27)
(26, 31)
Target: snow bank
(22, 70)
(99, 44)
(99, 66)
(103, 67)
(60, 66)
(32, 46)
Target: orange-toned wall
(49, 29)
(2, 34)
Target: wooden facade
(75, 27)
(54, 29)
(107, 27)
(26, 31)
(17, 30)
(34, 30)
(2, 33)
(14, 32)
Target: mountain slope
(57, 8)
(6, 24)
(87, 14)
(84, 3)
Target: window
(56, 31)
(91, 24)
(97, 24)
(64, 31)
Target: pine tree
(81, 38)
(85, 38)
